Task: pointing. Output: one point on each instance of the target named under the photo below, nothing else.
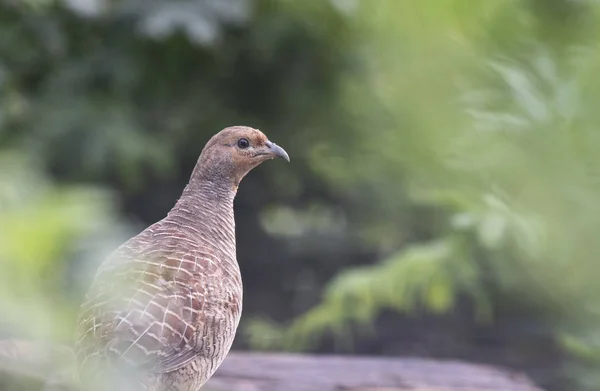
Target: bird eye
(243, 143)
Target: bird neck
(205, 204)
(210, 191)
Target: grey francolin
(163, 309)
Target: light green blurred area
(456, 140)
(41, 226)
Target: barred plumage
(166, 304)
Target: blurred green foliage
(443, 150)
(494, 123)
(41, 226)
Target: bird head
(230, 154)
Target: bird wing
(145, 308)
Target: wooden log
(291, 372)
(243, 371)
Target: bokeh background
(443, 198)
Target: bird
(163, 308)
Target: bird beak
(276, 151)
